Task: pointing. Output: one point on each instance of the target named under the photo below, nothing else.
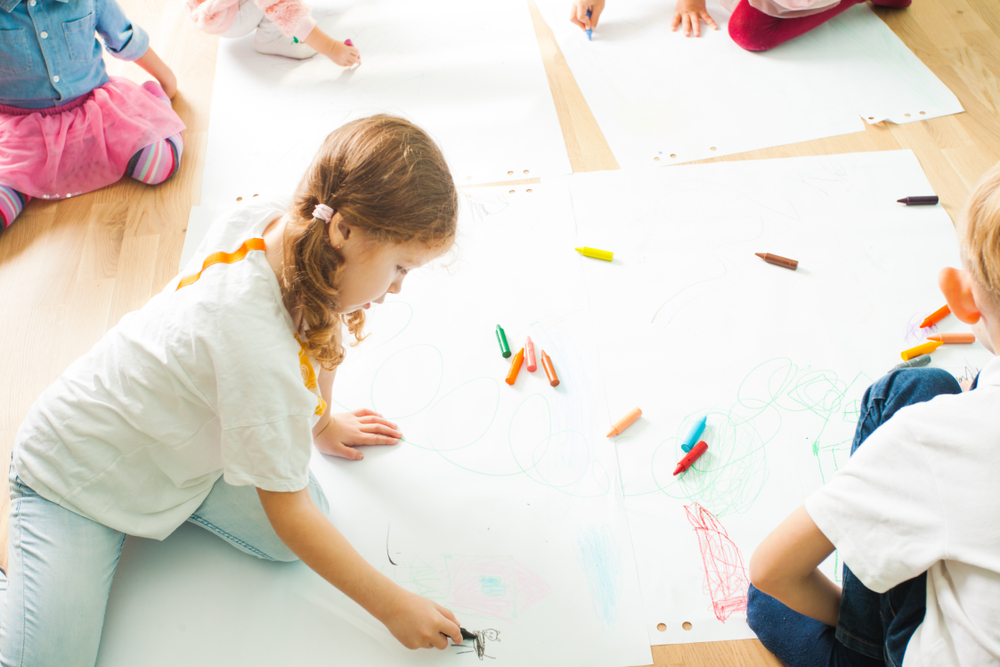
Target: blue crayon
(590, 33)
(694, 434)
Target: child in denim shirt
(66, 127)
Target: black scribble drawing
(479, 647)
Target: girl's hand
(419, 623)
(691, 13)
(348, 430)
(344, 55)
(578, 13)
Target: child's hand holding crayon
(344, 54)
(578, 14)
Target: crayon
(915, 362)
(515, 367)
(694, 434)
(936, 316)
(348, 42)
(502, 339)
(466, 634)
(606, 255)
(923, 348)
(529, 353)
(954, 338)
(590, 33)
(919, 201)
(624, 422)
(691, 457)
(778, 260)
(550, 371)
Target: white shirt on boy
(202, 382)
(922, 493)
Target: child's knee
(914, 385)
(157, 162)
(746, 36)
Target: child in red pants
(756, 25)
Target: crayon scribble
(726, 579)
(479, 645)
(600, 557)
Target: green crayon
(502, 339)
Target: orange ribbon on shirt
(224, 258)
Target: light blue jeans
(61, 564)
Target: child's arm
(159, 70)
(338, 435)
(336, 51)
(578, 13)
(784, 567)
(691, 13)
(415, 621)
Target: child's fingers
(381, 429)
(343, 451)
(709, 20)
(375, 439)
(676, 21)
(595, 14)
(449, 628)
(687, 25)
(450, 616)
(378, 419)
(365, 412)
(574, 17)
(696, 24)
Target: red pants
(754, 30)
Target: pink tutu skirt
(83, 145)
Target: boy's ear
(956, 285)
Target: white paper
(661, 98)
(470, 75)
(503, 504)
(693, 324)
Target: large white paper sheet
(503, 504)
(695, 324)
(467, 73)
(661, 98)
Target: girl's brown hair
(387, 179)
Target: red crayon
(691, 457)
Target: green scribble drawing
(731, 476)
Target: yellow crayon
(923, 348)
(606, 255)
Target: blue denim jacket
(49, 54)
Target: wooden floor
(71, 269)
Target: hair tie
(323, 212)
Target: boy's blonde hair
(979, 234)
(386, 178)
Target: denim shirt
(49, 54)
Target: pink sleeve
(289, 15)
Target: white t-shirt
(202, 382)
(922, 494)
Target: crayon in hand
(590, 33)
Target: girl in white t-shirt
(203, 405)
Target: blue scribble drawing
(601, 559)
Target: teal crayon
(694, 434)
(502, 339)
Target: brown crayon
(550, 371)
(778, 260)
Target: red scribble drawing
(725, 577)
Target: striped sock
(11, 204)
(157, 162)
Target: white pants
(247, 19)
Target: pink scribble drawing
(725, 577)
(493, 586)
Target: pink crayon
(348, 42)
(529, 352)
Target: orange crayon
(954, 338)
(515, 366)
(625, 422)
(550, 371)
(936, 316)
(923, 348)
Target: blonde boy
(915, 515)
